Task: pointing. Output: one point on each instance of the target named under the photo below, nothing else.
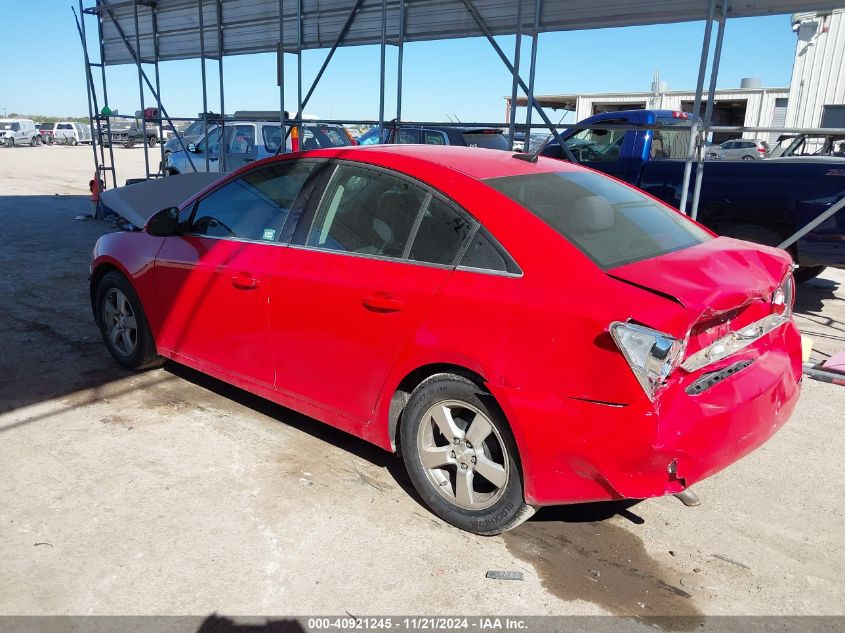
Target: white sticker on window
(269, 234)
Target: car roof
(475, 162)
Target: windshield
(611, 223)
(337, 137)
(195, 129)
(489, 139)
(6, 125)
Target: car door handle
(245, 282)
(382, 303)
(248, 160)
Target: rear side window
(492, 139)
(611, 223)
(441, 234)
(367, 212)
(253, 207)
(485, 254)
(672, 141)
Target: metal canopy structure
(147, 32)
(252, 26)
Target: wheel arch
(99, 270)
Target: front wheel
(74, 142)
(747, 158)
(152, 142)
(461, 456)
(806, 273)
(123, 323)
(10, 142)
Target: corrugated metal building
(818, 73)
(816, 96)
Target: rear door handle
(245, 282)
(382, 303)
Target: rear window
(611, 223)
(489, 139)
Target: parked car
(18, 132)
(809, 145)
(189, 134)
(740, 149)
(45, 131)
(71, 133)
(490, 138)
(761, 201)
(523, 334)
(131, 133)
(248, 141)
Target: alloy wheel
(119, 322)
(463, 455)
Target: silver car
(243, 142)
(740, 149)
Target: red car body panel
(334, 335)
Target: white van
(18, 132)
(71, 133)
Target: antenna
(532, 157)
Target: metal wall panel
(251, 26)
(817, 74)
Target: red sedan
(522, 333)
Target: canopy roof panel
(252, 26)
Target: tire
(747, 158)
(152, 142)
(129, 144)
(33, 142)
(480, 505)
(73, 141)
(115, 304)
(806, 273)
(10, 142)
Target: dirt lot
(167, 492)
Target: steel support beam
(106, 95)
(400, 61)
(141, 88)
(222, 123)
(708, 112)
(299, 102)
(833, 209)
(158, 90)
(381, 69)
(552, 128)
(517, 53)
(534, 42)
(89, 85)
(699, 88)
(204, 88)
(280, 71)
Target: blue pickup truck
(761, 201)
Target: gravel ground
(169, 492)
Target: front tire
(10, 142)
(152, 142)
(747, 158)
(123, 324)
(461, 456)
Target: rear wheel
(10, 142)
(747, 158)
(123, 323)
(33, 142)
(73, 141)
(461, 456)
(806, 273)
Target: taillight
(677, 114)
(294, 139)
(762, 150)
(783, 297)
(652, 355)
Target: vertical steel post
(141, 88)
(400, 61)
(205, 91)
(299, 68)
(220, 75)
(516, 56)
(708, 112)
(534, 37)
(280, 72)
(89, 85)
(381, 72)
(158, 90)
(699, 88)
(105, 95)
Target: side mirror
(192, 147)
(164, 223)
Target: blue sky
(459, 78)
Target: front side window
(489, 139)
(210, 143)
(253, 207)
(441, 234)
(611, 223)
(432, 137)
(367, 212)
(241, 139)
(597, 146)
